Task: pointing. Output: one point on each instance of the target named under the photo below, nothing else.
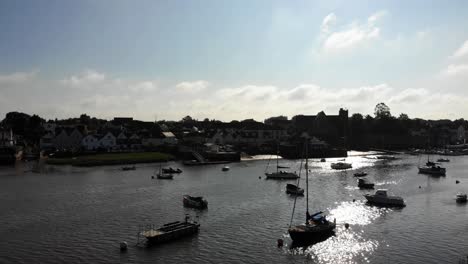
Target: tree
(403, 117)
(187, 119)
(382, 111)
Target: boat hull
(430, 171)
(192, 203)
(304, 235)
(172, 232)
(281, 176)
(384, 202)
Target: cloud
(145, 86)
(455, 70)
(327, 22)
(145, 99)
(192, 87)
(354, 35)
(17, 77)
(86, 77)
(462, 51)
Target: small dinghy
(360, 174)
(461, 198)
(171, 170)
(293, 189)
(129, 168)
(225, 168)
(364, 184)
(195, 202)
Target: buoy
(354, 200)
(152, 177)
(259, 177)
(346, 225)
(280, 242)
(420, 187)
(123, 246)
(457, 181)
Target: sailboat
(317, 226)
(280, 174)
(432, 169)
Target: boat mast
(277, 156)
(307, 178)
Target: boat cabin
(381, 192)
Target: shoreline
(111, 159)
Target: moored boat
(195, 202)
(341, 166)
(294, 189)
(443, 160)
(360, 174)
(461, 198)
(317, 226)
(282, 175)
(129, 168)
(171, 231)
(171, 170)
(225, 168)
(364, 184)
(432, 170)
(382, 199)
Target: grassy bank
(112, 159)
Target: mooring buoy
(123, 246)
(280, 242)
(346, 225)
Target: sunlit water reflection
(69, 215)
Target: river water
(79, 215)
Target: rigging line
(295, 198)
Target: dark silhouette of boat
(364, 184)
(195, 202)
(171, 231)
(294, 189)
(128, 168)
(432, 170)
(381, 198)
(171, 170)
(164, 176)
(443, 160)
(360, 174)
(317, 226)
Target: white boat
(381, 198)
(461, 198)
(341, 166)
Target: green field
(112, 159)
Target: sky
(233, 60)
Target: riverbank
(111, 159)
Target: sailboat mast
(277, 156)
(307, 178)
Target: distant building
(6, 138)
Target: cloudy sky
(229, 60)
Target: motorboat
(294, 189)
(461, 198)
(360, 174)
(341, 166)
(171, 170)
(225, 168)
(381, 198)
(443, 160)
(195, 202)
(323, 160)
(432, 170)
(364, 184)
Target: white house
(108, 141)
(90, 142)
